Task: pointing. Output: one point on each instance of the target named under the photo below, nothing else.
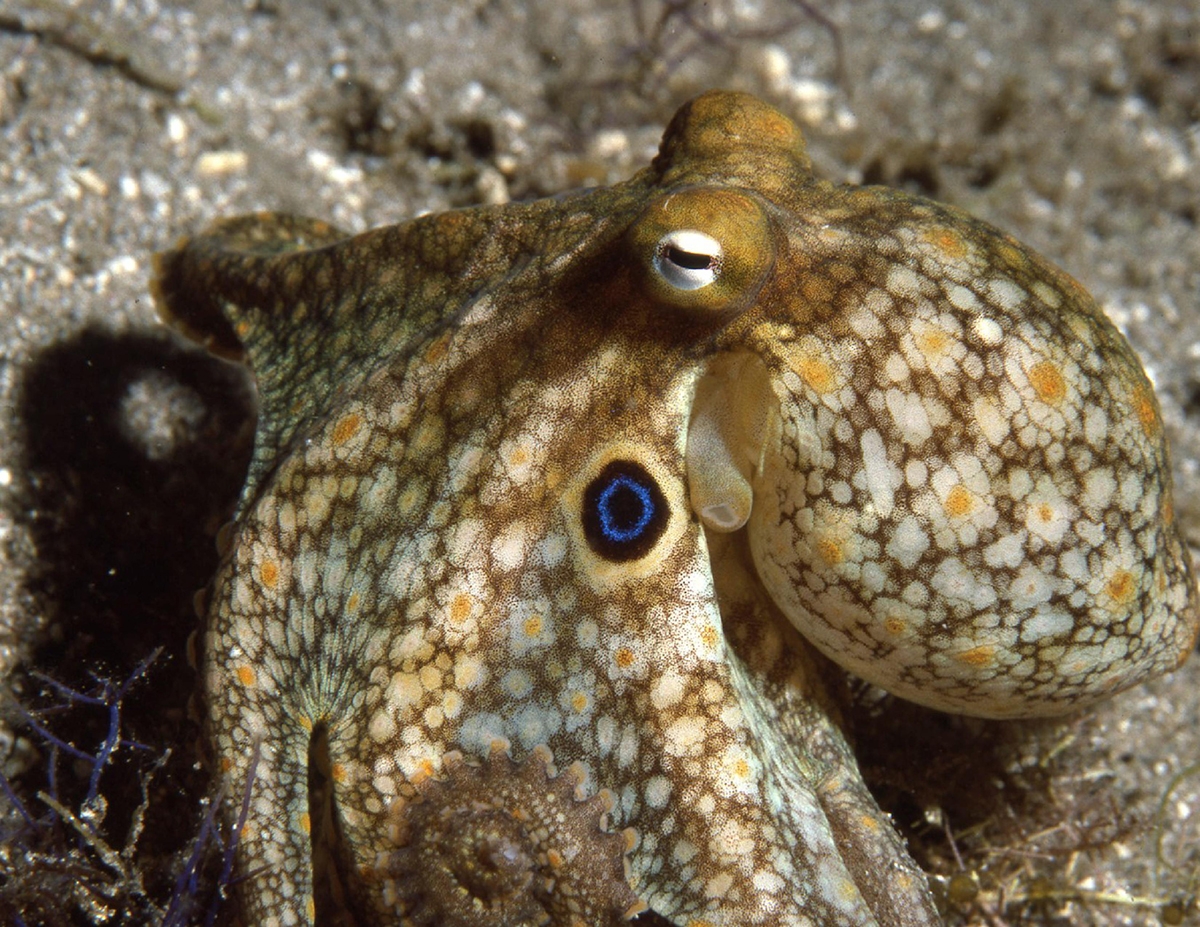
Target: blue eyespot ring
(624, 511)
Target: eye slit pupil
(690, 260)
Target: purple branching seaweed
(182, 908)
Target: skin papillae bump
(579, 484)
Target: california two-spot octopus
(549, 501)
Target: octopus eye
(688, 259)
(624, 511)
(704, 250)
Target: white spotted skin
(985, 526)
(915, 443)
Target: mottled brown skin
(571, 478)
(501, 845)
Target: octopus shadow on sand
(134, 450)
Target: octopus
(561, 513)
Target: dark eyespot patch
(624, 511)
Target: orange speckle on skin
(246, 675)
(268, 572)
(1044, 512)
(226, 764)
(460, 608)
(554, 858)
(869, 822)
(831, 551)
(306, 723)
(959, 501)
(533, 625)
(1121, 587)
(709, 636)
(778, 128)
(242, 329)
(1147, 413)
(980, 656)
(894, 625)
(816, 373)
(421, 774)
(1048, 381)
(624, 657)
(949, 242)
(352, 602)
(338, 772)
(306, 823)
(579, 702)
(519, 456)
(933, 342)
(741, 769)
(346, 428)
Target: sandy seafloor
(1074, 125)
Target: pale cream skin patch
(579, 480)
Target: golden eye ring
(704, 250)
